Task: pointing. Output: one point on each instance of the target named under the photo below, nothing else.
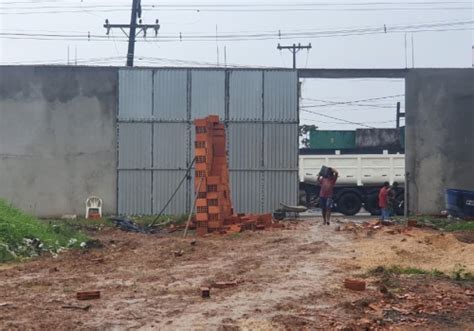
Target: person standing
(383, 201)
(325, 193)
(392, 201)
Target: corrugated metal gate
(155, 135)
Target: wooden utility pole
(294, 49)
(136, 13)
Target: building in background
(356, 141)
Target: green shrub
(23, 236)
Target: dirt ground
(286, 279)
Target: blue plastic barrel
(460, 203)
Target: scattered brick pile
(214, 212)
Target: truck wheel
(349, 203)
(372, 204)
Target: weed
(398, 270)
(80, 224)
(460, 273)
(445, 224)
(23, 236)
(460, 226)
(236, 235)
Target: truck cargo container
(360, 178)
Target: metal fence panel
(135, 94)
(258, 144)
(281, 146)
(279, 186)
(165, 183)
(246, 191)
(134, 195)
(170, 94)
(207, 93)
(134, 141)
(245, 145)
(170, 145)
(280, 95)
(245, 95)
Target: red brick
(201, 217)
(213, 180)
(214, 224)
(89, 295)
(215, 209)
(212, 119)
(412, 223)
(354, 284)
(200, 152)
(201, 166)
(200, 122)
(201, 202)
(201, 231)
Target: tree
(303, 132)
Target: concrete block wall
(57, 138)
(439, 135)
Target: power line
(344, 123)
(248, 37)
(363, 105)
(336, 118)
(183, 39)
(248, 7)
(331, 103)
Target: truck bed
(355, 169)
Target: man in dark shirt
(325, 194)
(392, 201)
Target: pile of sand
(417, 248)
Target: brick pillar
(213, 204)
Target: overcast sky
(344, 34)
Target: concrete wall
(439, 135)
(57, 138)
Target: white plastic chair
(95, 204)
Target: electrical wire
(336, 118)
(248, 37)
(244, 7)
(344, 123)
(331, 103)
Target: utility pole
(136, 12)
(399, 114)
(294, 49)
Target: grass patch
(398, 270)
(24, 236)
(460, 226)
(459, 272)
(81, 224)
(444, 223)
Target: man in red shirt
(325, 194)
(383, 201)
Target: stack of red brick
(211, 178)
(214, 212)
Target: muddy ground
(290, 279)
